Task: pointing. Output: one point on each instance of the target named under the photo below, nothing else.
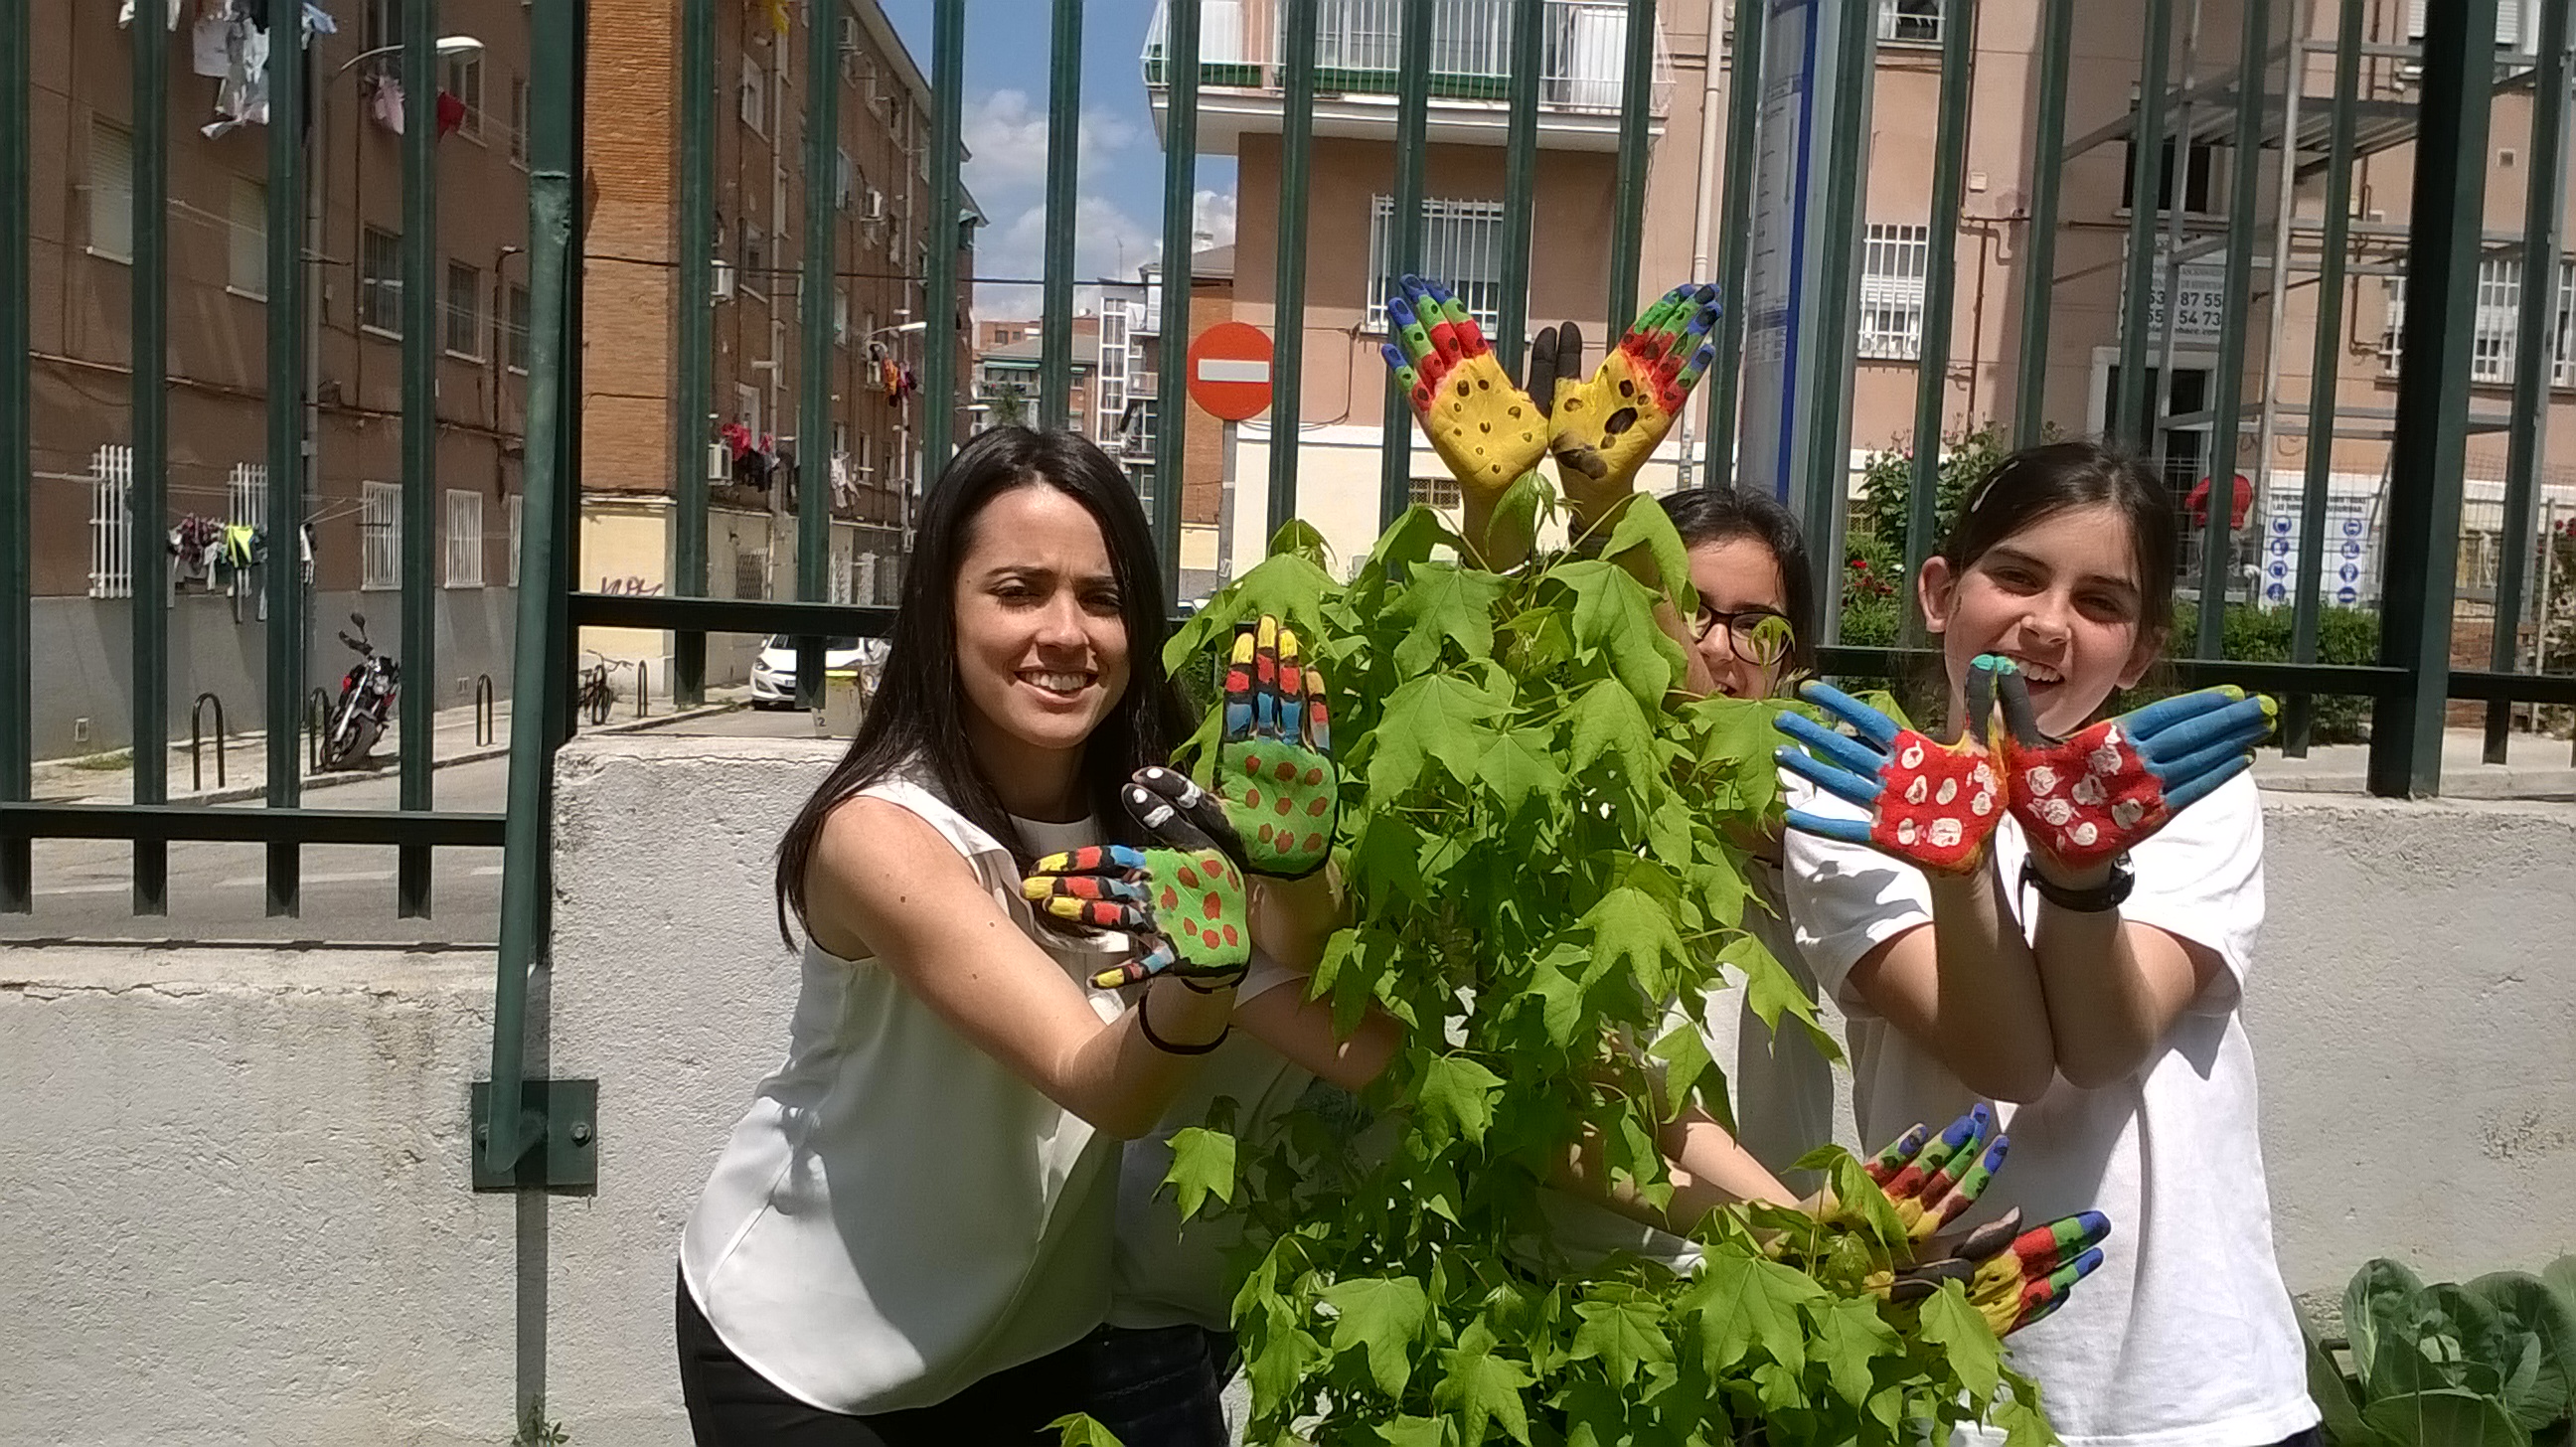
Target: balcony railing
(1583, 44)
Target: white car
(773, 671)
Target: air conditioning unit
(876, 207)
(723, 281)
(719, 466)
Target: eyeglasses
(1759, 636)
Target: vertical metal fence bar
(2301, 713)
(2218, 533)
(1940, 288)
(1288, 317)
(939, 306)
(289, 468)
(17, 473)
(1404, 244)
(1735, 233)
(554, 30)
(2146, 140)
(1828, 418)
(1520, 180)
(1628, 206)
(1180, 224)
(1064, 172)
(2431, 442)
(819, 354)
(2169, 264)
(691, 432)
(420, 348)
(148, 512)
(2039, 249)
(2534, 357)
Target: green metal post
(2535, 355)
(1064, 168)
(1628, 206)
(2146, 140)
(17, 475)
(2218, 535)
(2322, 370)
(816, 358)
(148, 510)
(1940, 288)
(1288, 317)
(420, 349)
(2039, 249)
(1404, 244)
(1735, 236)
(553, 201)
(2431, 442)
(939, 307)
(1180, 216)
(1520, 181)
(1837, 342)
(691, 432)
(289, 471)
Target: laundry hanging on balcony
(389, 108)
(241, 95)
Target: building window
(755, 95)
(464, 311)
(840, 316)
(111, 191)
(384, 25)
(1462, 249)
(746, 410)
(2517, 24)
(513, 509)
(2200, 188)
(750, 575)
(1435, 492)
(465, 82)
(246, 495)
(843, 174)
(519, 120)
(464, 538)
(380, 536)
(1894, 262)
(380, 281)
(111, 522)
(1908, 21)
(2498, 320)
(247, 238)
(755, 261)
(514, 330)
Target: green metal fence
(2458, 75)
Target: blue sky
(1006, 109)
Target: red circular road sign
(1230, 370)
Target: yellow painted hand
(1488, 431)
(1601, 429)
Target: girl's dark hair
(2037, 483)
(1722, 514)
(919, 711)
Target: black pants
(1160, 1386)
(730, 1405)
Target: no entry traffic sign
(1230, 371)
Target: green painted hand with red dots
(1277, 798)
(1183, 900)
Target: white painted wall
(233, 1185)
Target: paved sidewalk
(456, 739)
(2539, 768)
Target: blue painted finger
(1696, 367)
(1860, 789)
(1847, 831)
(1874, 726)
(2223, 765)
(2248, 718)
(2165, 713)
(1830, 746)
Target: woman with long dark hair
(907, 1236)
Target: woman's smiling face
(2061, 598)
(1041, 645)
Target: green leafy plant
(1887, 484)
(1539, 848)
(535, 1431)
(2488, 1364)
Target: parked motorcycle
(366, 703)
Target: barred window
(464, 538)
(1894, 262)
(380, 281)
(111, 192)
(1910, 20)
(1462, 249)
(1435, 492)
(380, 536)
(247, 239)
(464, 311)
(2498, 319)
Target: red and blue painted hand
(1183, 900)
(2085, 800)
(1477, 418)
(1932, 1179)
(1931, 804)
(2013, 1277)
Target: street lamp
(447, 45)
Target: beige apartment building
(761, 459)
(82, 233)
(1352, 173)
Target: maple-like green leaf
(1412, 1432)
(1947, 1321)
(1557, 979)
(1684, 1052)
(1607, 721)
(1644, 524)
(1518, 772)
(1382, 1316)
(1742, 1302)
(1483, 1390)
(1202, 1166)
(1443, 603)
(1614, 616)
(1626, 1336)
(2017, 1411)
(1437, 716)
(1406, 544)
(1456, 1097)
(1079, 1430)
(1300, 538)
(1850, 1338)
(1631, 934)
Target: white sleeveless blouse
(898, 1215)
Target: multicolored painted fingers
(1483, 426)
(1278, 792)
(1943, 1175)
(2031, 1278)
(1185, 906)
(1883, 1168)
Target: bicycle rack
(197, 739)
(484, 729)
(317, 717)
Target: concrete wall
(234, 1183)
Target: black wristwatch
(2093, 900)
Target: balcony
(1582, 80)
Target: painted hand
(2088, 799)
(1183, 900)
(2013, 1277)
(1932, 1179)
(1602, 429)
(1932, 805)
(1481, 423)
(1278, 793)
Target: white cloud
(1212, 219)
(1107, 243)
(1006, 134)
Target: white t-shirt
(1785, 1100)
(898, 1215)
(2184, 1337)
